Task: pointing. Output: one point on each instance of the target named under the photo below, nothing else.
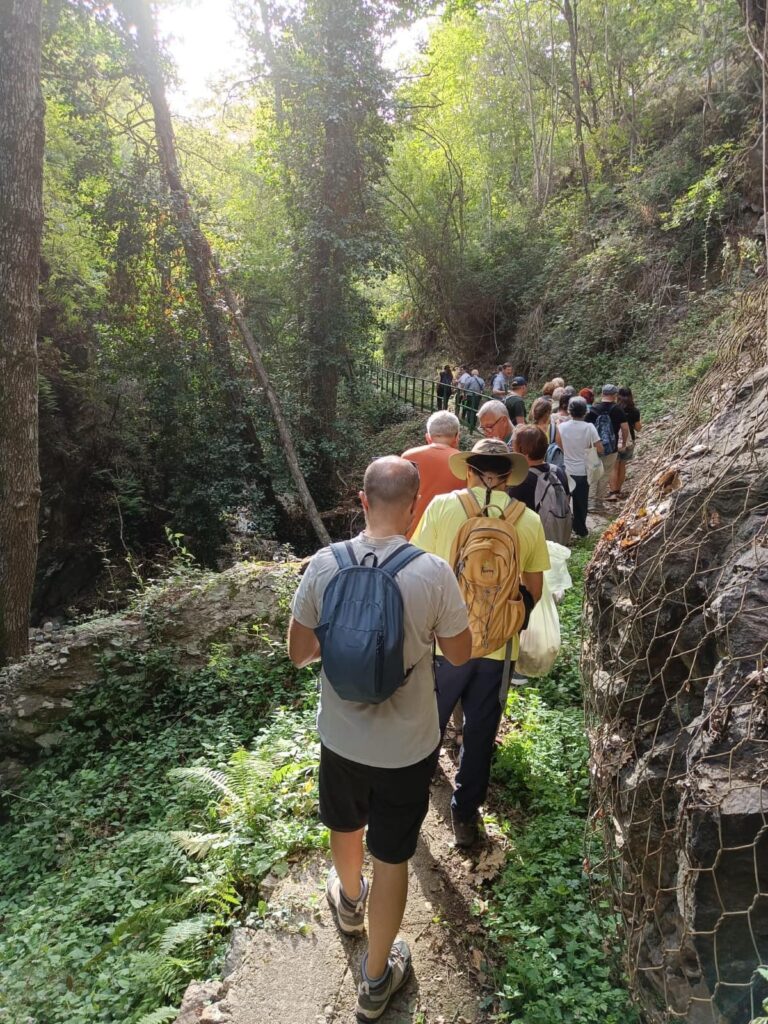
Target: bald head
(390, 481)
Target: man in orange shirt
(431, 460)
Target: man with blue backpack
(610, 421)
(372, 608)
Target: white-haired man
(493, 420)
(431, 460)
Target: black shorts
(392, 802)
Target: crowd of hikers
(424, 610)
(590, 436)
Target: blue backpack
(555, 456)
(361, 625)
(606, 433)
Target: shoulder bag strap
(344, 554)
(398, 560)
(513, 511)
(469, 503)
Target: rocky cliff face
(677, 694)
(190, 613)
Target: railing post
(422, 396)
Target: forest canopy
(545, 181)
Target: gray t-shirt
(403, 729)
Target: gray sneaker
(372, 1000)
(464, 832)
(350, 916)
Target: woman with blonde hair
(541, 417)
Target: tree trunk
(196, 246)
(754, 15)
(272, 61)
(525, 43)
(569, 13)
(285, 435)
(21, 226)
(204, 269)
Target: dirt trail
(299, 969)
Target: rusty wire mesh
(676, 684)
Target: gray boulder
(189, 613)
(677, 700)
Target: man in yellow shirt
(489, 469)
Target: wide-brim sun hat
(490, 455)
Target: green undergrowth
(129, 852)
(552, 942)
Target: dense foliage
(107, 908)
(475, 207)
(504, 251)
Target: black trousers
(580, 496)
(477, 684)
(471, 405)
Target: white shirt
(577, 436)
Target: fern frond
(174, 974)
(184, 932)
(211, 778)
(248, 772)
(199, 844)
(161, 1015)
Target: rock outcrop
(677, 696)
(190, 613)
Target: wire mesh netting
(677, 700)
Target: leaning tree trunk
(200, 257)
(21, 225)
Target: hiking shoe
(350, 915)
(373, 999)
(464, 832)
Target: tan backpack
(486, 560)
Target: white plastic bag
(557, 576)
(595, 468)
(540, 642)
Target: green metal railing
(416, 391)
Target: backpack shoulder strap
(513, 511)
(344, 554)
(469, 503)
(398, 560)
(548, 485)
